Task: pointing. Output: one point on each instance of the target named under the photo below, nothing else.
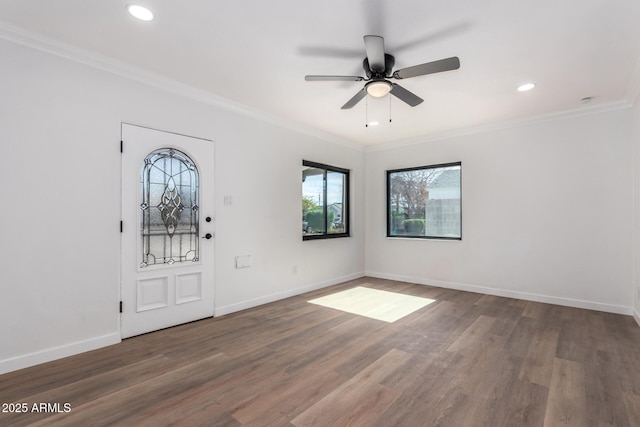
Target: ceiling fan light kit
(378, 67)
(378, 88)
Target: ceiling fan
(378, 67)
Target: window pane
(425, 202)
(169, 208)
(325, 201)
(336, 203)
(313, 218)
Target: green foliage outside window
(308, 205)
(315, 219)
(414, 226)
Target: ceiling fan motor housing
(389, 62)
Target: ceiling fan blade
(374, 45)
(404, 95)
(432, 37)
(333, 78)
(356, 98)
(447, 64)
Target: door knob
(208, 236)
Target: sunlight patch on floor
(373, 303)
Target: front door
(167, 230)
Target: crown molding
(503, 125)
(104, 63)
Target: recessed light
(140, 12)
(525, 87)
(373, 123)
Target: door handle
(208, 236)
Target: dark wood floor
(465, 360)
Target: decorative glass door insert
(170, 208)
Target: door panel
(167, 246)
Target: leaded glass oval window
(169, 183)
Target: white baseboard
(32, 359)
(589, 305)
(232, 308)
(36, 358)
(636, 315)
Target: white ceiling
(257, 52)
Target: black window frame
(347, 197)
(388, 201)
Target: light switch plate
(243, 261)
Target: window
(425, 202)
(325, 201)
(169, 220)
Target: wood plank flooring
(465, 360)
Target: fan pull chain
(366, 111)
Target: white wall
(636, 143)
(547, 213)
(60, 205)
(547, 207)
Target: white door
(167, 229)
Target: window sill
(324, 236)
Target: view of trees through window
(425, 202)
(324, 201)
